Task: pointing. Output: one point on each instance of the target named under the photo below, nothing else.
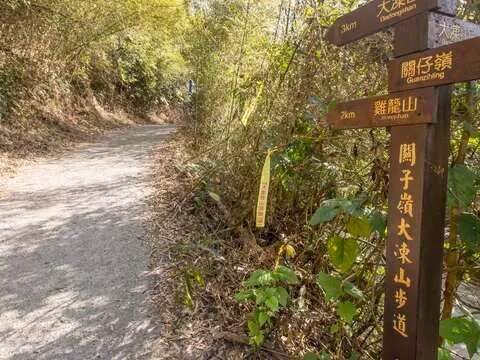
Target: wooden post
(417, 200)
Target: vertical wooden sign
(418, 157)
(417, 200)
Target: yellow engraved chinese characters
(405, 206)
(444, 61)
(402, 254)
(394, 106)
(403, 230)
(428, 65)
(391, 7)
(380, 107)
(409, 104)
(400, 325)
(402, 278)
(409, 69)
(401, 298)
(425, 65)
(385, 7)
(406, 179)
(408, 154)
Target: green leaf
(214, 196)
(272, 303)
(468, 127)
(259, 339)
(359, 227)
(324, 356)
(329, 209)
(331, 285)
(261, 317)
(253, 327)
(283, 273)
(313, 356)
(342, 252)
(256, 334)
(244, 295)
(260, 296)
(326, 212)
(314, 100)
(352, 290)
(352, 207)
(378, 222)
(444, 355)
(335, 328)
(347, 311)
(282, 295)
(310, 356)
(197, 275)
(469, 230)
(462, 331)
(354, 356)
(260, 278)
(461, 186)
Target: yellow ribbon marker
(263, 192)
(251, 106)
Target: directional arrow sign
(378, 15)
(449, 64)
(405, 108)
(446, 30)
(435, 30)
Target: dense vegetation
(315, 279)
(57, 57)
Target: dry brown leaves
(188, 240)
(45, 128)
(213, 328)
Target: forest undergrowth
(71, 69)
(310, 282)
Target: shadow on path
(71, 253)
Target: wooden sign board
(449, 64)
(416, 219)
(378, 15)
(446, 30)
(403, 246)
(417, 191)
(436, 30)
(405, 108)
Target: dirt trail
(72, 256)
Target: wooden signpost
(428, 59)
(445, 30)
(409, 107)
(380, 14)
(432, 31)
(449, 64)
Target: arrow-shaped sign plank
(378, 15)
(436, 30)
(404, 108)
(449, 64)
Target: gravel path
(72, 256)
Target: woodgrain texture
(405, 108)
(449, 64)
(378, 15)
